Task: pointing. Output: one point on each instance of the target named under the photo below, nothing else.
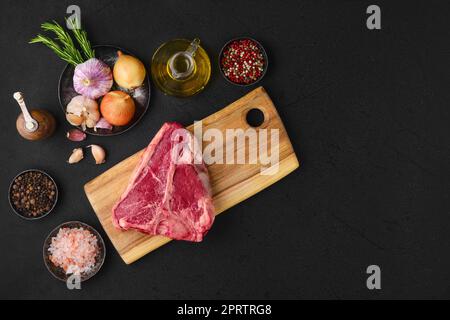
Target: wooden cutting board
(231, 184)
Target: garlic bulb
(82, 111)
(92, 79)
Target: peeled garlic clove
(98, 153)
(76, 135)
(77, 156)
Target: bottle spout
(193, 47)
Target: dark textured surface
(368, 114)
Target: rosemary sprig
(53, 45)
(63, 45)
(82, 39)
(64, 38)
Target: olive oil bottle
(181, 68)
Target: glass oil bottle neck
(182, 64)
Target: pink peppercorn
(242, 61)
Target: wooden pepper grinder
(35, 125)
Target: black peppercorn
(33, 194)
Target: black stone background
(367, 112)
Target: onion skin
(92, 79)
(118, 108)
(129, 72)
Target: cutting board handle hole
(255, 117)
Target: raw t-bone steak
(169, 193)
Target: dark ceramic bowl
(58, 272)
(264, 53)
(18, 213)
(141, 95)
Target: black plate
(58, 272)
(141, 95)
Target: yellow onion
(118, 108)
(129, 72)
